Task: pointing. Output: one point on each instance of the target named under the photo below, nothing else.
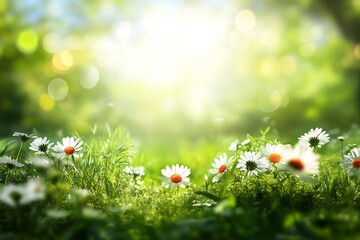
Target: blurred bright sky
(198, 60)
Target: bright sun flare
(164, 47)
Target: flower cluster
(10, 163)
(136, 171)
(15, 195)
(69, 146)
(301, 160)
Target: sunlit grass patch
(255, 187)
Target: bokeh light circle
(270, 101)
(245, 20)
(46, 102)
(63, 60)
(58, 89)
(357, 51)
(52, 43)
(89, 77)
(27, 41)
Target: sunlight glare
(270, 37)
(239, 41)
(196, 100)
(168, 48)
(122, 30)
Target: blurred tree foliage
(310, 79)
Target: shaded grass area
(95, 199)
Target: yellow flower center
(356, 163)
(69, 150)
(175, 178)
(296, 163)
(274, 158)
(222, 168)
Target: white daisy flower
(34, 190)
(68, 146)
(23, 136)
(341, 138)
(137, 171)
(351, 162)
(234, 145)
(14, 195)
(220, 166)
(252, 163)
(11, 195)
(78, 195)
(314, 138)
(175, 176)
(40, 145)
(10, 163)
(245, 142)
(300, 160)
(273, 153)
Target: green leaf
(251, 138)
(4, 149)
(209, 195)
(263, 133)
(228, 203)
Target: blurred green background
(179, 69)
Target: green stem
(236, 177)
(226, 180)
(243, 178)
(342, 148)
(315, 150)
(7, 176)
(21, 147)
(231, 171)
(48, 156)
(73, 159)
(282, 181)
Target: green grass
(96, 199)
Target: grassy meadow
(94, 197)
(179, 119)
